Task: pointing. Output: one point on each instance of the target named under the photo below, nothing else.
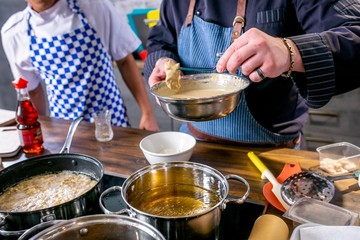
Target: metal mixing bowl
(202, 108)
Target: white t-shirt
(113, 29)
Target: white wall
(7, 91)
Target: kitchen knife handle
(257, 162)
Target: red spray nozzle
(20, 83)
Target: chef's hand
(148, 122)
(255, 49)
(158, 74)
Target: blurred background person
(70, 45)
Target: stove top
(237, 220)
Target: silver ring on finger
(261, 74)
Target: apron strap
(190, 14)
(238, 23)
(239, 20)
(73, 5)
(30, 31)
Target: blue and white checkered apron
(78, 73)
(240, 125)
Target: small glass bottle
(28, 126)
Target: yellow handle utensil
(276, 186)
(258, 163)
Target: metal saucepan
(201, 108)
(195, 193)
(13, 224)
(98, 226)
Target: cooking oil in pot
(175, 200)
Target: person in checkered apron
(70, 45)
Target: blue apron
(239, 126)
(78, 73)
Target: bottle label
(29, 137)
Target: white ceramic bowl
(167, 147)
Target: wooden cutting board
(7, 117)
(9, 142)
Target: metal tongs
(194, 69)
(205, 70)
(355, 174)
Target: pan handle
(69, 137)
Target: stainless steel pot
(13, 224)
(149, 184)
(100, 226)
(202, 108)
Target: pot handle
(48, 218)
(107, 211)
(2, 220)
(243, 198)
(8, 234)
(69, 137)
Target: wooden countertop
(122, 156)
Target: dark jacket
(327, 33)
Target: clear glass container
(103, 129)
(339, 158)
(309, 210)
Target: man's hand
(158, 74)
(256, 50)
